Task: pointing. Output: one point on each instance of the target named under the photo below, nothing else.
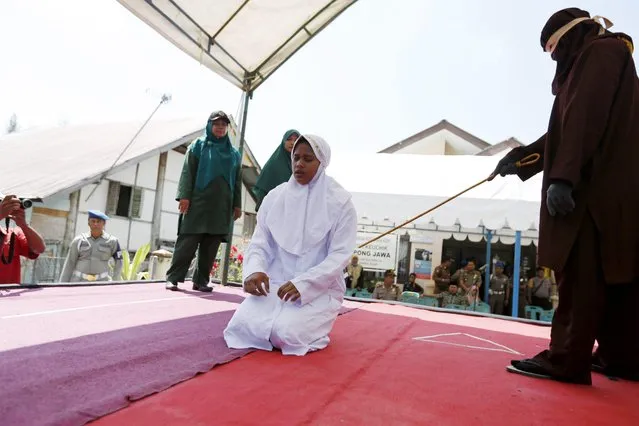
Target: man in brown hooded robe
(589, 219)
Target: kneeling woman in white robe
(293, 269)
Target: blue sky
(376, 75)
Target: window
(124, 200)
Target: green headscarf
(277, 170)
(217, 157)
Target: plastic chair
(428, 301)
(410, 297)
(352, 292)
(547, 315)
(364, 294)
(533, 312)
(479, 307)
(459, 307)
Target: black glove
(506, 165)
(559, 199)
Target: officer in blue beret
(90, 252)
(498, 289)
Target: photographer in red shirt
(19, 241)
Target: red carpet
(74, 381)
(55, 373)
(375, 372)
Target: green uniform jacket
(211, 209)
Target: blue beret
(499, 264)
(97, 214)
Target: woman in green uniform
(277, 169)
(209, 196)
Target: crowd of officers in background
(464, 287)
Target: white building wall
(174, 163)
(126, 176)
(49, 226)
(168, 226)
(50, 217)
(58, 202)
(147, 174)
(132, 233)
(431, 145)
(148, 200)
(98, 199)
(443, 142)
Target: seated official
(412, 284)
(387, 290)
(452, 297)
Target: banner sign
(379, 255)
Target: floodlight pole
(245, 101)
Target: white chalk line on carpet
(498, 348)
(106, 305)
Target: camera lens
(26, 203)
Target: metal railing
(44, 269)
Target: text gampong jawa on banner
(379, 255)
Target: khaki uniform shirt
(469, 279)
(441, 276)
(382, 293)
(498, 285)
(90, 256)
(541, 287)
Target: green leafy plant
(130, 270)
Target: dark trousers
(618, 331)
(349, 282)
(590, 309)
(543, 303)
(186, 245)
(497, 304)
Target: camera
(25, 203)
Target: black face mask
(566, 50)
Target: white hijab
(300, 216)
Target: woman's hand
(257, 284)
(184, 205)
(288, 292)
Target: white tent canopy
(244, 41)
(396, 187)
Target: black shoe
(597, 366)
(534, 368)
(203, 288)
(171, 286)
(613, 373)
(528, 367)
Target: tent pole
(516, 266)
(489, 237)
(229, 244)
